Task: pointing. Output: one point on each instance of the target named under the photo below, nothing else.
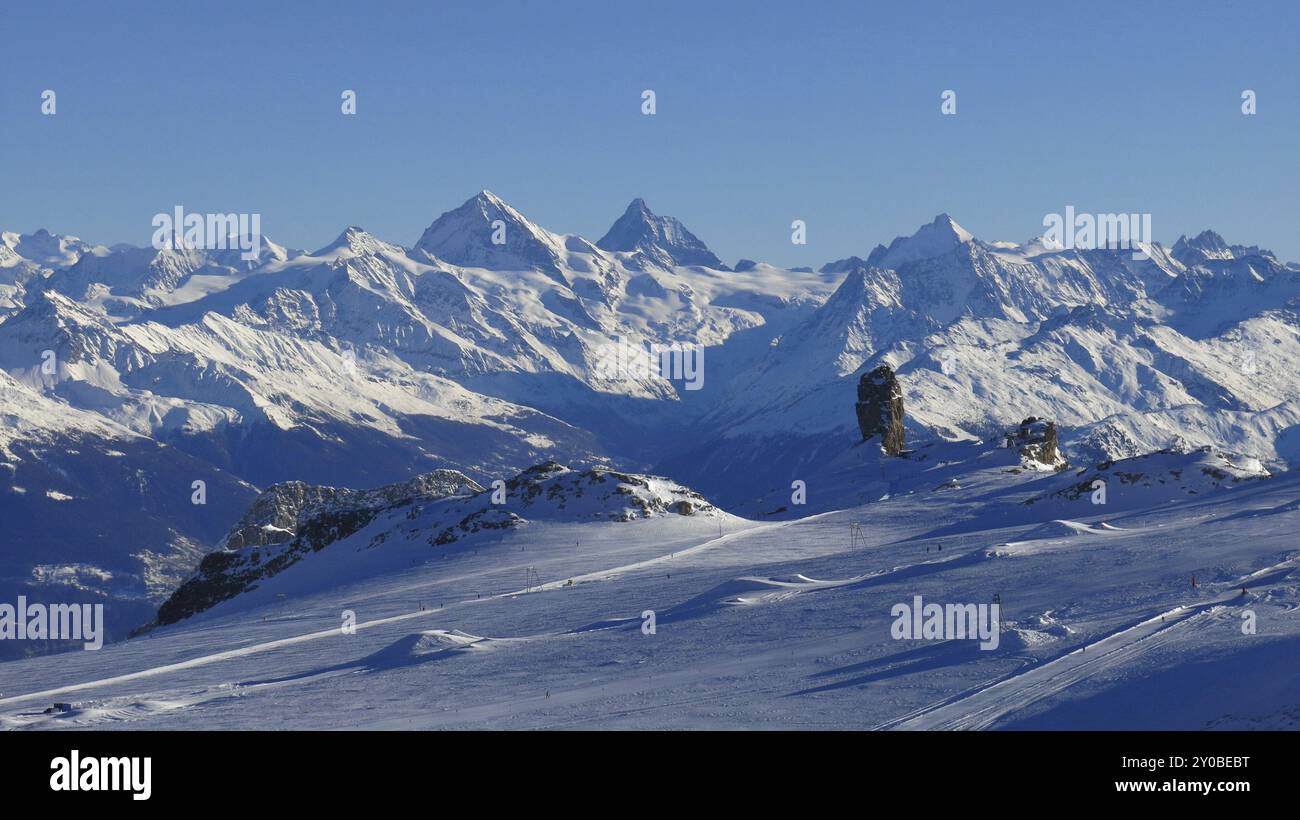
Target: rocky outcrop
(1035, 439)
(279, 513)
(880, 408)
(551, 491)
(1157, 478)
(289, 521)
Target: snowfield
(775, 625)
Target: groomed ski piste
(757, 625)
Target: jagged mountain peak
(489, 206)
(945, 222)
(1208, 245)
(662, 240)
(486, 197)
(1207, 240)
(356, 241)
(487, 232)
(935, 238)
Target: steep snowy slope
(1128, 356)
(25, 259)
(91, 512)
(269, 406)
(528, 322)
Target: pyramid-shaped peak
(355, 240)
(945, 223)
(486, 207)
(350, 236)
(660, 240)
(935, 238)
(488, 202)
(470, 236)
(491, 201)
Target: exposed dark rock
(880, 408)
(289, 521)
(1035, 438)
(489, 518)
(279, 513)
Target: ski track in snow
(984, 706)
(768, 590)
(981, 707)
(268, 646)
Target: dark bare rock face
(880, 408)
(279, 513)
(1036, 439)
(290, 521)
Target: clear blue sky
(767, 112)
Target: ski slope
(770, 626)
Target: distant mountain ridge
(476, 350)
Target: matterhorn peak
(660, 240)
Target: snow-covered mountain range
(128, 374)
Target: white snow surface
(772, 626)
